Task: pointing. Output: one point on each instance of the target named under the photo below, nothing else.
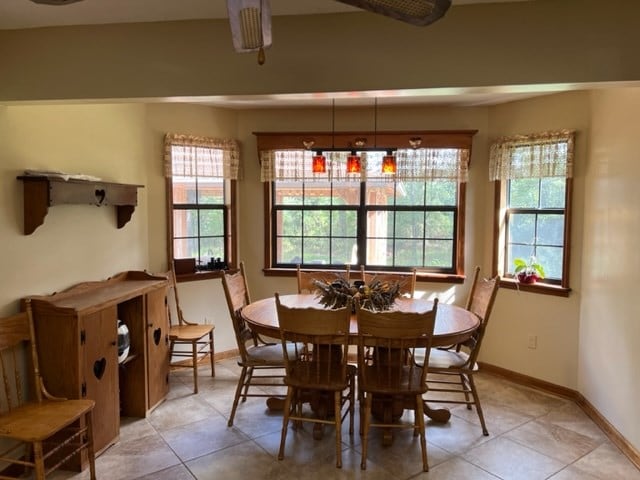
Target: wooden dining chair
(406, 281)
(306, 277)
(452, 368)
(197, 336)
(256, 353)
(51, 431)
(315, 343)
(388, 371)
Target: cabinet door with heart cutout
(157, 346)
(100, 361)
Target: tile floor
(532, 436)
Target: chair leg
(28, 457)
(337, 400)
(247, 383)
(361, 410)
(285, 421)
(194, 365)
(172, 345)
(211, 354)
(90, 450)
(38, 461)
(298, 397)
(352, 397)
(423, 434)
(236, 399)
(365, 429)
(464, 383)
(476, 400)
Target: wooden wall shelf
(42, 192)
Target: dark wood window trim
(422, 277)
(231, 241)
(562, 290)
(381, 140)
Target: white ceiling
(18, 14)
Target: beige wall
(75, 242)
(609, 353)
(519, 43)
(554, 320)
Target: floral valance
(188, 155)
(547, 154)
(411, 165)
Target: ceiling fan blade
(55, 2)
(415, 12)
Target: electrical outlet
(533, 341)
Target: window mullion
(362, 225)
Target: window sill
(540, 287)
(203, 275)
(421, 277)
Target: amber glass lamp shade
(388, 164)
(353, 164)
(319, 164)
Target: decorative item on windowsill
(378, 295)
(528, 272)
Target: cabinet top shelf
(87, 297)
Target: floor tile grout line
(553, 458)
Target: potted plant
(528, 271)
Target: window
(384, 222)
(201, 175)
(535, 220)
(533, 186)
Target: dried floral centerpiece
(378, 295)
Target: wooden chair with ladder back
(306, 277)
(388, 373)
(51, 430)
(198, 337)
(315, 343)
(261, 361)
(406, 280)
(451, 369)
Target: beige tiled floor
(532, 436)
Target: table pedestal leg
(275, 404)
(439, 415)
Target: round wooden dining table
(453, 324)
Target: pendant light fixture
(389, 163)
(250, 22)
(389, 160)
(354, 163)
(319, 161)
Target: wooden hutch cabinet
(76, 331)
